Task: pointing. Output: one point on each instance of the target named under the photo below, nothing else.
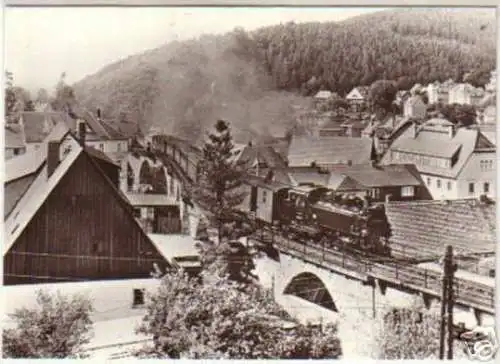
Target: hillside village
(94, 198)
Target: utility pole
(445, 304)
(452, 268)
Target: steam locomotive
(318, 214)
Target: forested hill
(186, 86)
(421, 45)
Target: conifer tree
(218, 193)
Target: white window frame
(408, 191)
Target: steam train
(317, 214)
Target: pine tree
(219, 193)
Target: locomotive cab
(302, 198)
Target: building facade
(454, 163)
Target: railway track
(467, 292)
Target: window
(101, 147)
(264, 196)
(119, 147)
(471, 188)
(438, 182)
(492, 273)
(16, 151)
(486, 187)
(375, 193)
(408, 191)
(448, 185)
(428, 181)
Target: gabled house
(358, 97)
(381, 183)
(14, 140)
(36, 126)
(258, 159)
(465, 94)
(417, 88)
(305, 151)
(454, 162)
(414, 107)
(66, 220)
(439, 92)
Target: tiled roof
(14, 136)
(341, 183)
(97, 154)
(380, 176)
(144, 199)
(37, 125)
(426, 228)
(263, 153)
(328, 150)
(112, 131)
(308, 175)
(434, 143)
(30, 162)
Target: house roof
(303, 175)
(262, 153)
(323, 94)
(381, 176)
(172, 246)
(362, 90)
(37, 125)
(97, 154)
(30, 162)
(428, 227)
(304, 150)
(488, 100)
(14, 136)
(42, 185)
(144, 199)
(112, 131)
(432, 140)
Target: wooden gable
(355, 94)
(83, 231)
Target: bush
(220, 318)
(57, 327)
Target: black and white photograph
(230, 182)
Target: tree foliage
(65, 98)
(382, 94)
(458, 114)
(411, 333)
(220, 319)
(219, 193)
(57, 327)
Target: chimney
(82, 131)
(99, 114)
(415, 130)
(451, 131)
(52, 157)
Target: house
(157, 214)
(66, 220)
(305, 151)
(329, 129)
(381, 183)
(466, 94)
(352, 129)
(454, 162)
(358, 97)
(323, 96)
(414, 107)
(439, 92)
(258, 159)
(417, 88)
(423, 229)
(14, 140)
(36, 126)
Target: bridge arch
(310, 287)
(146, 173)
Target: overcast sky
(41, 43)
